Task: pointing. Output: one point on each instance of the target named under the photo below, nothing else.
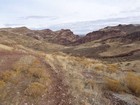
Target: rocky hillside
(40, 67)
(108, 32)
(114, 49)
(67, 37)
(63, 37)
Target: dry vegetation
(112, 68)
(28, 81)
(11, 39)
(129, 84)
(35, 89)
(86, 78)
(89, 79)
(114, 85)
(78, 75)
(133, 83)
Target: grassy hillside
(101, 72)
(11, 39)
(93, 82)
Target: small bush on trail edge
(35, 89)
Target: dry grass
(112, 68)
(7, 76)
(78, 73)
(30, 67)
(114, 85)
(26, 80)
(129, 84)
(84, 76)
(37, 70)
(99, 67)
(133, 83)
(35, 89)
(4, 47)
(2, 84)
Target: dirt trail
(58, 91)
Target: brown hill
(36, 70)
(63, 37)
(124, 48)
(108, 32)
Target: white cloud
(43, 13)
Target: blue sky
(45, 13)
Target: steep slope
(26, 78)
(35, 69)
(63, 37)
(8, 37)
(117, 48)
(108, 32)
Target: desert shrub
(114, 85)
(21, 67)
(2, 90)
(24, 63)
(35, 89)
(90, 84)
(99, 67)
(37, 72)
(133, 83)
(33, 68)
(6, 76)
(10, 76)
(36, 63)
(111, 68)
(2, 84)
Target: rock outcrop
(63, 36)
(108, 32)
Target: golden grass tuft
(2, 84)
(99, 67)
(112, 68)
(33, 69)
(37, 72)
(114, 85)
(35, 89)
(2, 90)
(6, 76)
(133, 83)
